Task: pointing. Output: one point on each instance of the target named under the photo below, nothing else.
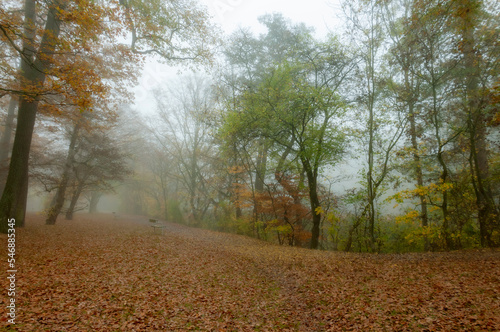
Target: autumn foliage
(279, 212)
(117, 275)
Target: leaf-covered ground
(117, 275)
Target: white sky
(232, 14)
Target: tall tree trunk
(444, 168)
(165, 203)
(371, 87)
(261, 166)
(13, 201)
(260, 174)
(424, 217)
(5, 147)
(477, 126)
(95, 196)
(74, 200)
(58, 201)
(297, 202)
(405, 55)
(314, 200)
(444, 204)
(193, 178)
(409, 85)
(312, 181)
(239, 212)
(369, 175)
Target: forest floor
(100, 274)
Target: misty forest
(277, 180)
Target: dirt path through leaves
(117, 275)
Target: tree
(453, 62)
(248, 57)
(37, 63)
(379, 130)
(87, 167)
(60, 195)
(299, 116)
(48, 62)
(406, 86)
(185, 139)
(478, 74)
(286, 54)
(5, 142)
(96, 166)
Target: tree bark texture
(13, 200)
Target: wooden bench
(156, 224)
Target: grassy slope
(106, 275)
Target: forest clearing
(366, 131)
(99, 274)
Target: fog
(346, 125)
